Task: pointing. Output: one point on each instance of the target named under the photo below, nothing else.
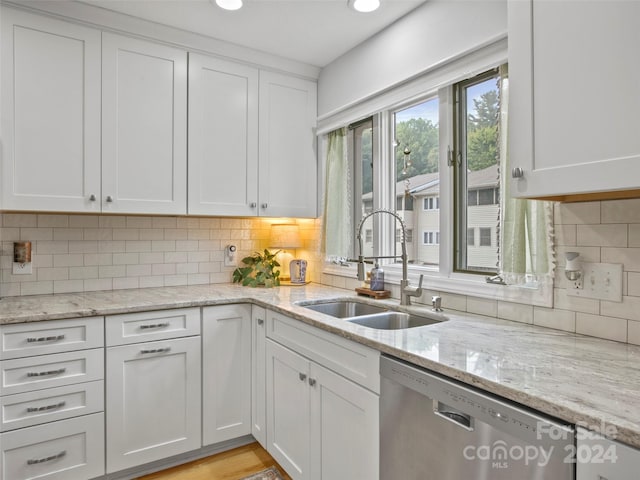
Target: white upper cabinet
(223, 137)
(288, 170)
(50, 126)
(144, 127)
(574, 102)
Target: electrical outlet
(602, 281)
(230, 256)
(22, 268)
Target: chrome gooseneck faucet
(406, 291)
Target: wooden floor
(231, 465)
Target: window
(431, 238)
(471, 237)
(476, 140)
(431, 203)
(368, 235)
(485, 237)
(416, 146)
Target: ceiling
(310, 31)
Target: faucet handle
(420, 281)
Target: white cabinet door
(144, 127)
(226, 388)
(288, 163)
(288, 410)
(223, 137)
(50, 126)
(573, 103)
(71, 449)
(153, 401)
(602, 459)
(258, 375)
(344, 428)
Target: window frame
(437, 81)
(461, 190)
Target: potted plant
(259, 270)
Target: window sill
(460, 284)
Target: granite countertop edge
(577, 404)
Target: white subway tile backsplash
(515, 312)
(123, 283)
(109, 221)
(612, 235)
(139, 222)
(621, 211)
(84, 246)
(554, 318)
(83, 272)
(68, 286)
(112, 271)
(126, 259)
(629, 308)
(53, 221)
(96, 284)
(138, 270)
(151, 257)
(634, 235)
(577, 213)
(633, 284)
(482, 306)
(19, 220)
(84, 221)
(67, 234)
(629, 257)
(36, 288)
(602, 327)
(33, 234)
(99, 234)
(153, 234)
(149, 282)
(68, 260)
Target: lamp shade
(285, 235)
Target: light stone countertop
(579, 379)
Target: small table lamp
(285, 236)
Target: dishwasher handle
(454, 416)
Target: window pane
(477, 178)
(417, 157)
(362, 150)
(485, 237)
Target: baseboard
(165, 463)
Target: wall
(80, 253)
(607, 232)
(432, 34)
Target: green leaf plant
(259, 270)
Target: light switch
(602, 281)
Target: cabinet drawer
(351, 360)
(40, 338)
(52, 404)
(71, 449)
(45, 371)
(150, 326)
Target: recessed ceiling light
(364, 6)
(229, 4)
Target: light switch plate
(602, 281)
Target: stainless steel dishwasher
(432, 428)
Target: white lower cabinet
(70, 449)
(601, 459)
(320, 425)
(153, 401)
(258, 375)
(52, 400)
(226, 374)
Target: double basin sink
(373, 316)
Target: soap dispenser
(377, 278)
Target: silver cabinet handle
(264, 205)
(303, 376)
(109, 199)
(260, 321)
(154, 325)
(253, 205)
(312, 382)
(517, 172)
(155, 350)
(47, 459)
(46, 407)
(92, 197)
(53, 338)
(47, 372)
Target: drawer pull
(53, 338)
(47, 459)
(45, 373)
(156, 350)
(154, 325)
(46, 407)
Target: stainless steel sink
(345, 308)
(394, 321)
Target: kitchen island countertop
(581, 380)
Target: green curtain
(337, 225)
(527, 246)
